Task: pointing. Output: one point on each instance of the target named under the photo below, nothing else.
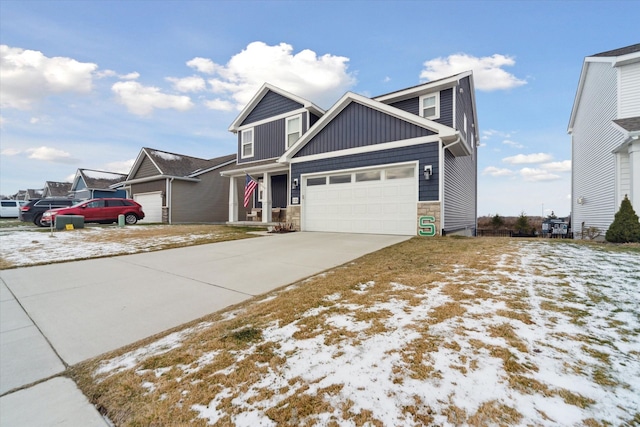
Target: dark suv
(32, 211)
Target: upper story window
(293, 129)
(430, 106)
(247, 143)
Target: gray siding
(464, 106)
(460, 192)
(272, 104)
(412, 106)
(278, 192)
(268, 140)
(359, 126)
(146, 169)
(425, 154)
(204, 201)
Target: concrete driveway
(57, 315)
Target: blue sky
(87, 84)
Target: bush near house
(626, 226)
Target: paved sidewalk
(58, 315)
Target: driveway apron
(57, 315)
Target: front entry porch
(268, 202)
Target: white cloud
(527, 158)
(563, 166)
(188, 84)
(321, 79)
(488, 74)
(131, 76)
(10, 152)
(494, 171)
(220, 105)
(28, 77)
(49, 154)
(123, 166)
(512, 143)
(532, 174)
(142, 100)
(203, 65)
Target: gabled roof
(620, 51)
(97, 180)
(631, 124)
(423, 89)
(616, 57)
(261, 94)
(34, 194)
(172, 165)
(443, 131)
(57, 189)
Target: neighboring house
(89, 184)
(174, 188)
(401, 163)
(56, 189)
(32, 194)
(605, 138)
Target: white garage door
(151, 205)
(380, 201)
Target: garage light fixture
(428, 171)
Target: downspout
(441, 178)
(170, 208)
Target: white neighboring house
(605, 138)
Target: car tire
(37, 220)
(130, 219)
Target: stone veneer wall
(293, 216)
(430, 209)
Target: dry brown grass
(240, 356)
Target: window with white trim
(430, 106)
(293, 129)
(247, 143)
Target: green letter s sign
(427, 226)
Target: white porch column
(634, 166)
(233, 200)
(266, 198)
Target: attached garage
(373, 200)
(151, 205)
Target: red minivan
(102, 210)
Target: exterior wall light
(580, 200)
(295, 183)
(428, 171)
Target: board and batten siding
(269, 140)
(358, 126)
(592, 142)
(271, 105)
(412, 105)
(425, 154)
(460, 193)
(629, 102)
(464, 108)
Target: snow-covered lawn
(21, 247)
(537, 333)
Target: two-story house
(400, 163)
(605, 138)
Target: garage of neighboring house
(151, 205)
(369, 200)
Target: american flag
(249, 186)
